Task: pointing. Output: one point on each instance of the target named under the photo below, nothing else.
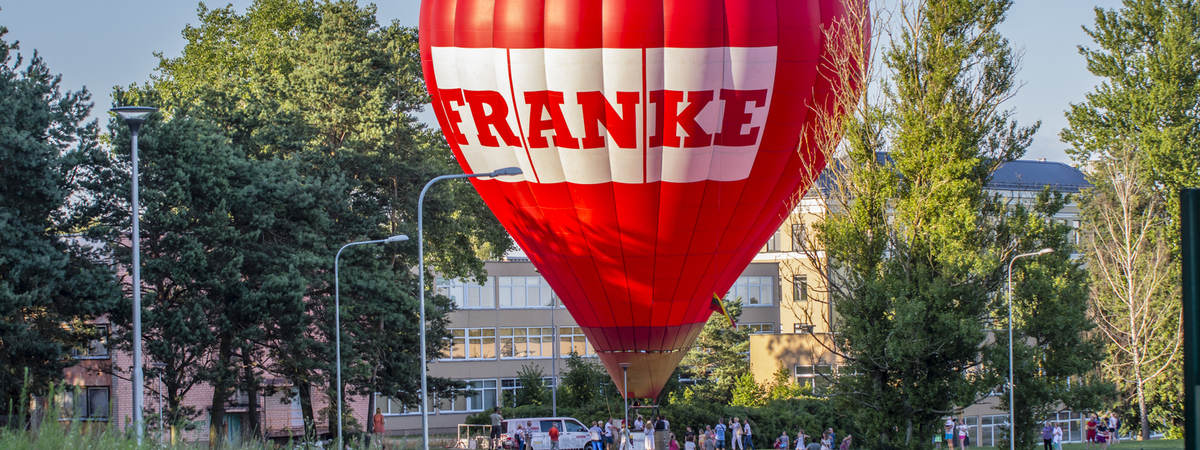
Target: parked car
(571, 433)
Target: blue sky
(101, 44)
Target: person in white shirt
(648, 430)
(1057, 437)
(608, 434)
(736, 427)
(962, 434)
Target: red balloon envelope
(660, 144)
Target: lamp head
(396, 238)
(1044, 251)
(506, 172)
(625, 365)
(134, 115)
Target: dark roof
(1022, 175)
(1033, 175)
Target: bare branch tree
(1129, 257)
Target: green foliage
(1147, 59)
(50, 282)
(310, 105)
(748, 393)
(1141, 119)
(917, 246)
(584, 383)
(1053, 336)
(718, 357)
(533, 386)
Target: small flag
(719, 306)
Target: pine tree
(718, 357)
(51, 278)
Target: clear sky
(101, 44)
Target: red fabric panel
(573, 23)
(633, 24)
(520, 24)
(473, 23)
(694, 23)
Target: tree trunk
(220, 392)
(306, 408)
(371, 414)
(253, 419)
(1143, 416)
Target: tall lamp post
(337, 319)
(625, 390)
(1012, 417)
(134, 116)
(158, 369)
(421, 282)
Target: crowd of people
(728, 434)
(737, 434)
(1100, 431)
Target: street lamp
(1012, 417)
(421, 282)
(134, 116)
(625, 390)
(158, 369)
(337, 319)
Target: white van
(571, 433)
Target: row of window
(535, 292)
(516, 343)
(482, 395)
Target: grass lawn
(1156, 444)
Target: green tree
(51, 280)
(718, 357)
(533, 386)
(747, 392)
(1147, 105)
(1054, 345)
(321, 83)
(579, 382)
(916, 245)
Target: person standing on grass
(747, 436)
(962, 434)
(1057, 437)
(496, 419)
(1091, 431)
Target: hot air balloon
(660, 142)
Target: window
(479, 396)
(524, 292)
(1074, 237)
(757, 328)
(817, 376)
(526, 342)
(800, 288)
(990, 430)
(802, 328)
(754, 291)
(473, 343)
(96, 348)
(799, 236)
(467, 293)
(392, 407)
(89, 403)
(773, 244)
(572, 339)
